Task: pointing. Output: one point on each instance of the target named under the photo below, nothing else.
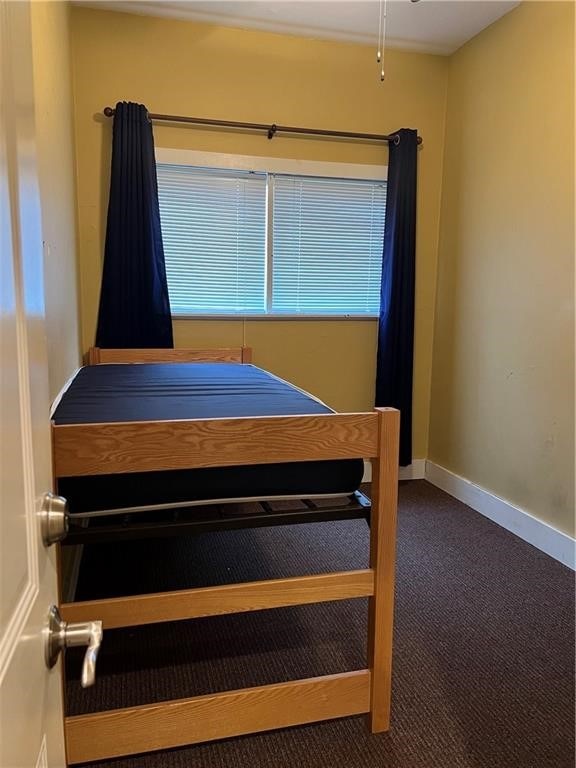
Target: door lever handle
(61, 635)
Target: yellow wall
(503, 373)
(55, 147)
(185, 68)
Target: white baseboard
(414, 471)
(558, 545)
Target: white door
(31, 720)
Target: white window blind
(315, 250)
(214, 233)
(327, 254)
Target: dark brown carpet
(484, 641)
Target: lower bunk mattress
(165, 391)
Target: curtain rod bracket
(272, 130)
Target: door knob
(53, 518)
(61, 635)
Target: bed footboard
(141, 446)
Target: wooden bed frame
(91, 449)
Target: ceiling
(429, 26)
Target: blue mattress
(164, 391)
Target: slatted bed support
(187, 520)
(147, 446)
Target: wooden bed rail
(215, 716)
(141, 446)
(183, 604)
(98, 355)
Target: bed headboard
(97, 355)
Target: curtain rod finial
(108, 111)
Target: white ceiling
(430, 26)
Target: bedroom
(493, 399)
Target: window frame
(279, 166)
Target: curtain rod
(271, 130)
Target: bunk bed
(121, 432)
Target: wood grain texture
(92, 357)
(215, 716)
(97, 355)
(384, 493)
(214, 601)
(141, 446)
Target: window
(257, 243)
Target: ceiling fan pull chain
(382, 36)
(379, 52)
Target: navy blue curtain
(134, 305)
(396, 323)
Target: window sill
(273, 317)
